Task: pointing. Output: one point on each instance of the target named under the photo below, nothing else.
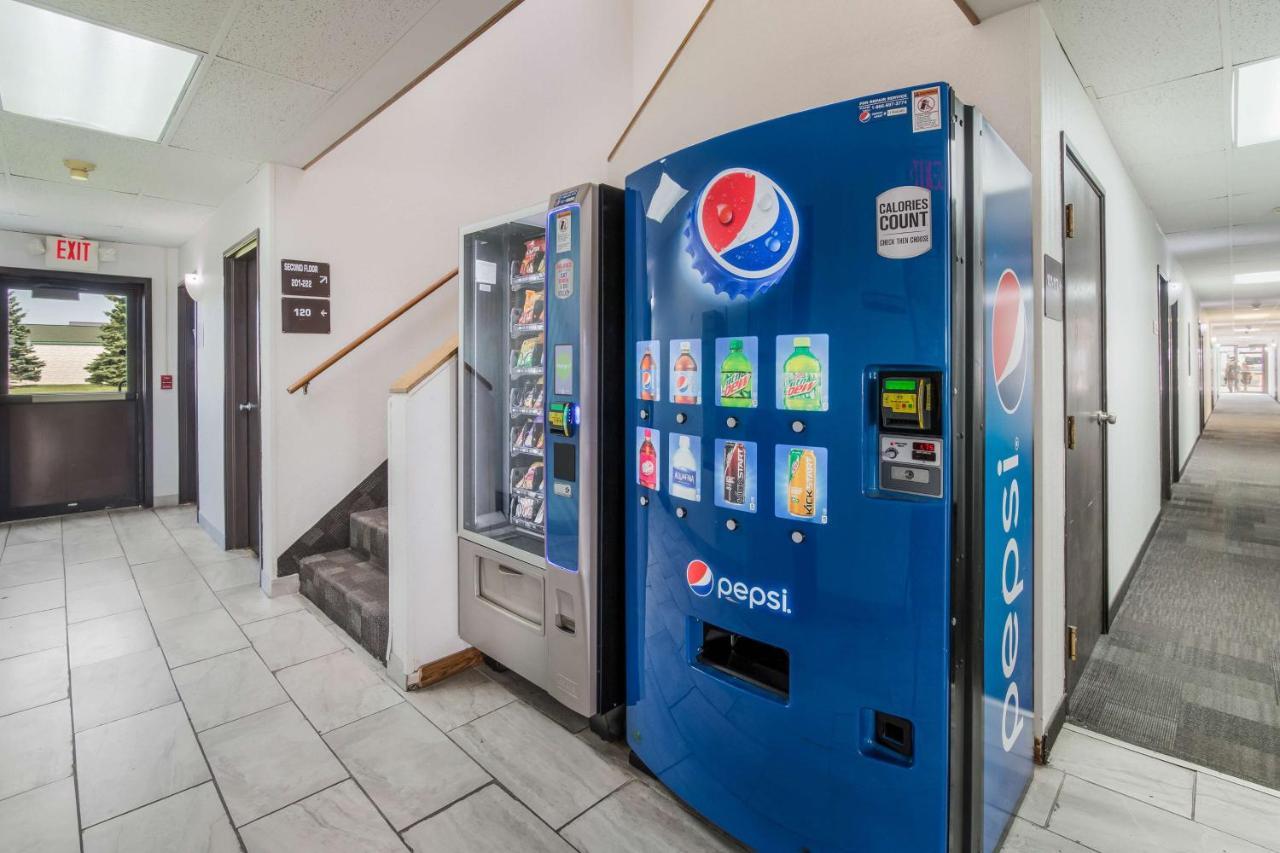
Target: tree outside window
(111, 366)
(24, 364)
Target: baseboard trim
(1044, 744)
(1114, 609)
(1196, 444)
(164, 501)
(214, 533)
(439, 670)
(286, 585)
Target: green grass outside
(59, 389)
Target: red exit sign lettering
(71, 253)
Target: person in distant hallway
(1233, 376)
(1246, 377)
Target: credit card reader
(911, 446)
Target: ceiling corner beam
(657, 83)
(404, 90)
(968, 12)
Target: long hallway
(1191, 666)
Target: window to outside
(65, 341)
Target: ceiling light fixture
(1257, 107)
(79, 169)
(1268, 277)
(63, 69)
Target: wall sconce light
(195, 285)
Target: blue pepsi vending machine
(829, 512)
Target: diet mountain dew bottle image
(735, 377)
(802, 378)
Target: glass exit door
(72, 393)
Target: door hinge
(1073, 640)
(1071, 432)
(1070, 220)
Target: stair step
(352, 591)
(369, 534)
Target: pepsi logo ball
(700, 578)
(1009, 358)
(743, 232)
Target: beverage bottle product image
(648, 463)
(686, 390)
(648, 377)
(802, 482)
(735, 473)
(802, 378)
(684, 471)
(735, 377)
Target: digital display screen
(564, 461)
(902, 404)
(900, 385)
(562, 382)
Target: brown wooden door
(1085, 407)
(243, 415)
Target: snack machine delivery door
(799, 330)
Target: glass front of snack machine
(503, 343)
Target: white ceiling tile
(242, 112)
(57, 208)
(36, 149)
(1254, 208)
(192, 23)
(1255, 30)
(84, 203)
(1170, 180)
(1123, 45)
(322, 42)
(1256, 168)
(1192, 216)
(1176, 119)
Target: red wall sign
(166, 382)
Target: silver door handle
(1104, 417)
(248, 407)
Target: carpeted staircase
(351, 585)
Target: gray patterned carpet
(1191, 667)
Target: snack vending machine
(829, 506)
(540, 540)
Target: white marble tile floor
(153, 699)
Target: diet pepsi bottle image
(735, 473)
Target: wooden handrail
(301, 384)
(420, 371)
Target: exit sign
(71, 253)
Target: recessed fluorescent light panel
(1258, 102)
(1256, 277)
(63, 69)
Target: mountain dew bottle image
(802, 379)
(735, 377)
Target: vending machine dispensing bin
(829, 500)
(541, 448)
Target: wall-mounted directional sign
(304, 278)
(304, 316)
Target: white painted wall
(160, 266)
(1135, 247)
(1187, 369)
(422, 573)
(832, 50)
(248, 210)
(501, 126)
(657, 28)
